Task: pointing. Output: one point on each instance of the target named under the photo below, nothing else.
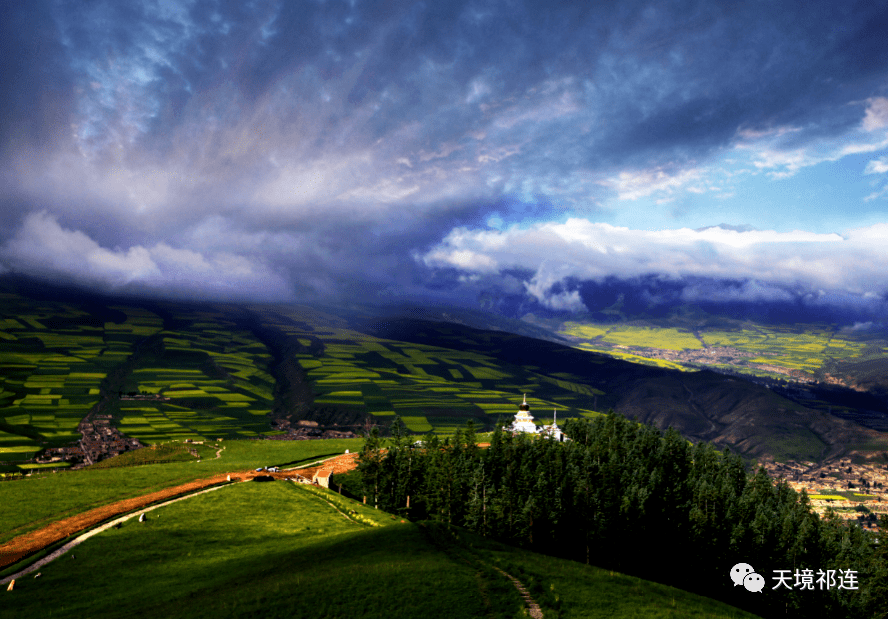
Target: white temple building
(524, 423)
(553, 430)
(524, 420)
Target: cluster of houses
(305, 430)
(100, 440)
(864, 487)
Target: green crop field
(766, 350)
(53, 362)
(304, 552)
(431, 387)
(648, 337)
(210, 378)
(166, 372)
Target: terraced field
(430, 387)
(209, 379)
(167, 371)
(204, 378)
(53, 360)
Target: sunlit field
(282, 550)
(47, 497)
(766, 350)
(429, 387)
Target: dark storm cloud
(35, 93)
(284, 149)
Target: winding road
(27, 544)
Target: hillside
(107, 372)
(312, 553)
(702, 405)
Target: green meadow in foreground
(40, 500)
(281, 550)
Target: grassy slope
(278, 550)
(569, 589)
(39, 500)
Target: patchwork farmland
(158, 372)
(764, 350)
(53, 361)
(432, 388)
(206, 378)
(58, 362)
(161, 372)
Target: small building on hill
(322, 476)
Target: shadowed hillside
(702, 405)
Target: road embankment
(21, 547)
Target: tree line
(625, 496)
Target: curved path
(532, 607)
(82, 538)
(25, 545)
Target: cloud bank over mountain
(438, 152)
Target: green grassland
(570, 589)
(158, 454)
(301, 552)
(433, 388)
(41, 499)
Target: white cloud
(44, 247)
(877, 166)
(783, 163)
(540, 288)
(876, 116)
(635, 184)
(464, 259)
(583, 249)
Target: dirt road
(82, 538)
(25, 545)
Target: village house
(322, 476)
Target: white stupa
(553, 430)
(524, 420)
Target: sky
(446, 152)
